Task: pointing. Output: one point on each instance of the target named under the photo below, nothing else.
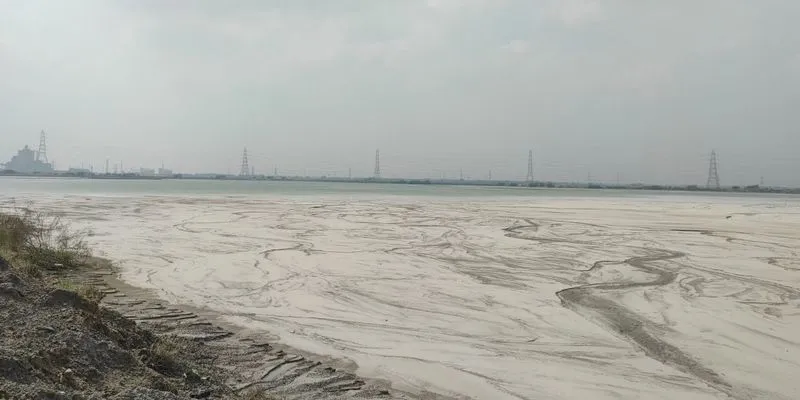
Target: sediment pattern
(603, 298)
(255, 362)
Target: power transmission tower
(377, 164)
(713, 172)
(41, 155)
(529, 177)
(245, 171)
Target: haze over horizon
(641, 89)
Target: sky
(640, 91)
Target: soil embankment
(58, 344)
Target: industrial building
(164, 172)
(28, 161)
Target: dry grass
(39, 240)
(20, 266)
(27, 269)
(88, 292)
(164, 356)
(92, 293)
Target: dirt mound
(56, 344)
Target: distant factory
(151, 172)
(28, 161)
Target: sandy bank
(253, 360)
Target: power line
(245, 170)
(41, 155)
(713, 172)
(377, 164)
(529, 177)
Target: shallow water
(454, 290)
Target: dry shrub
(42, 240)
(88, 292)
(20, 266)
(92, 293)
(28, 269)
(164, 356)
(14, 231)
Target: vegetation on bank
(48, 318)
(38, 242)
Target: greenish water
(15, 186)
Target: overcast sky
(643, 89)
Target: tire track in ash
(585, 301)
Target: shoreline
(257, 358)
(508, 184)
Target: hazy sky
(641, 88)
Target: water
(110, 187)
(279, 188)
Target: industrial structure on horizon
(28, 161)
(246, 170)
(713, 173)
(529, 178)
(35, 162)
(377, 173)
(152, 172)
